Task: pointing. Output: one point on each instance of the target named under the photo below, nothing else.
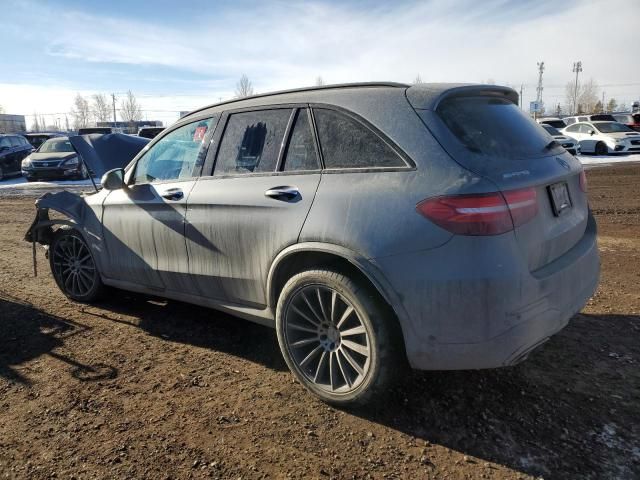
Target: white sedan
(603, 138)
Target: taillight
(481, 214)
(583, 181)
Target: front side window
(251, 142)
(176, 156)
(573, 128)
(301, 151)
(586, 128)
(4, 142)
(346, 143)
(15, 142)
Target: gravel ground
(141, 388)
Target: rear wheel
(601, 149)
(336, 337)
(73, 266)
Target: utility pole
(604, 108)
(66, 121)
(113, 97)
(577, 68)
(539, 88)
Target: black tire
(87, 285)
(601, 149)
(381, 336)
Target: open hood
(102, 153)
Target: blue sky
(182, 55)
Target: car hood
(627, 135)
(102, 153)
(563, 138)
(40, 157)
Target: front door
(254, 205)
(144, 223)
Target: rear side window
(346, 143)
(251, 142)
(495, 127)
(301, 151)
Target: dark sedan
(54, 160)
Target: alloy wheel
(326, 339)
(73, 266)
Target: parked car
(631, 120)
(603, 138)
(37, 139)
(149, 132)
(553, 121)
(571, 145)
(596, 117)
(369, 224)
(54, 160)
(13, 148)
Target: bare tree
(100, 107)
(130, 109)
(623, 107)
(582, 99)
(35, 126)
(612, 105)
(417, 80)
(1, 109)
(319, 81)
(244, 88)
(80, 112)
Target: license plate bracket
(560, 198)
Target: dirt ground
(137, 388)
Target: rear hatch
(484, 130)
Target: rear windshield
(555, 123)
(612, 127)
(605, 117)
(56, 146)
(495, 127)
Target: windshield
(551, 130)
(624, 118)
(495, 127)
(602, 116)
(555, 123)
(58, 145)
(611, 127)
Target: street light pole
(577, 68)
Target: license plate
(560, 200)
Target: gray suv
(373, 225)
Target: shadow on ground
(28, 333)
(570, 411)
(201, 327)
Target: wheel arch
(303, 256)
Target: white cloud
(281, 45)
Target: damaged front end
(42, 229)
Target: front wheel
(601, 149)
(73, 266)
(336, 337)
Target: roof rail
(303, 89)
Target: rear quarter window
(495, 128)
(347, 143)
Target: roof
(304, 89)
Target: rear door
(144, 223)
(254, 203)
(490, 135)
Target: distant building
(130, 127)
(12, 123)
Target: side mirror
(113, 179)
(591, 132)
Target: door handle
(173, 194)
(286, 194)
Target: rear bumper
(473, 309)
